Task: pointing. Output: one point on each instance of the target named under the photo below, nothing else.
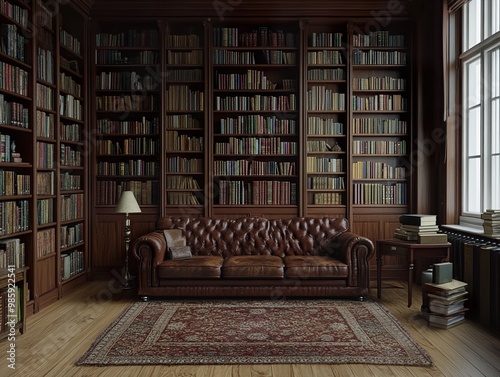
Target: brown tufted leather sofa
(255, 257)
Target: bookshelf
(46, 273)
(255, 70)
(127, 135)
(326, 145)
(127, 110)
(72, 137)
(185, 118)
(16, 137)
(42, 123)
(380, 119)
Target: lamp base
(127, 281)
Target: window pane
(473, 142)
(494, 12)
(494, 56)
(495, 182)
(474, 186)
(495, 126)
(473, 79)
(473, 23)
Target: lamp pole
(127, 278)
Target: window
(481, 107)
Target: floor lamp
(127, 204)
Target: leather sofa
(255, 257)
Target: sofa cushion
(311, 266)
(253, 266)
(197, 267)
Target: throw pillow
(180, 252)
(174, 237)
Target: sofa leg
(361, 298)
(144, 298)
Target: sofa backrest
(255, 235)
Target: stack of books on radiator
(419, 228)
(491, 222)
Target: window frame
(489, 42)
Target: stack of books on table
(444, 304)
(419, 228)
(491, 222)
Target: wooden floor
(58, 335)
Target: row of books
(257, 124)
(380, 193)
(256, 102)
(45, 242)
(245, 167)
(377, 170)
(380, 102)
(72, 263)
(13, 113)
(254, 145)
(257, 192)
(72, 207)
(12, 253)
(378, 83)
(379, 147)
(324, 57)
(319, 98)
(319, 74)
(13, 183)
(14, 216)
(14, 79)
(108, 192)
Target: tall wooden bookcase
(44, 113)
(278, 117)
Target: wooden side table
(411, 251)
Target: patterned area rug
(255, 332)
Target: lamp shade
(127, 203)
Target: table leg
(411, 266)
(379, 275)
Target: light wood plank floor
(58, 335)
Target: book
(450, 298)
(419, 228)
(446, 289)
(417, 219)
(446, 322)
(432, 238)
(438, 307)
(442, 272)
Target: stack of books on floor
(444, 304)
(419, 228)
(491, 222)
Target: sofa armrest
(355, 251)
(149, 250)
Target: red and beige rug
(255, 332)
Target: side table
(8, 280)
(411, 251)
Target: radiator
(476, 261)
